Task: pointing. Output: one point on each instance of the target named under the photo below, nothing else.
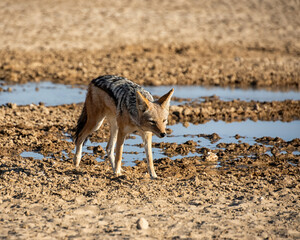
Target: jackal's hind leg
(119, 151)
(90, 126)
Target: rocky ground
(236, 191)
(200, 63)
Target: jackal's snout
(162, 135)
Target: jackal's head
(154, 115)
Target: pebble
(12, 105)
(142, 223)
(80, 200)
(211, 157)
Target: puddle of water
(293, 164)
(226, 94)
(49, 93)
(249, 130)
(35, 155)
(56, 94)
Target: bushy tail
(80, 123)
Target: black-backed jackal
(128, 108)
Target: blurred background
(212, 43)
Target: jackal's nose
(163, 135)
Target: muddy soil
(236, 191)
(240, 186)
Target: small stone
(237, 136)
(12, 105)
(211, 157)
(142, 223)
(45, 110)
(27, 213)
(32, 106)
(98, 150)
(265, 235)
(187, 112)
(80, 200)
(186, 124)
(257, 107)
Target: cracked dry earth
(234, 191)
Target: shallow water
(49, 93)
(248, 131)
(32, 154)
(226, 94)
(56, 94)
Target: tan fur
(152, 118)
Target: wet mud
(234, 190)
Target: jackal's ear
(142, 103)
(164, 101)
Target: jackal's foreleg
(148, 149)
(110, 149)
(119, 151)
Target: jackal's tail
(80, 123)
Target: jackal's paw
(153, 176)
(118, 172)
(76, 162)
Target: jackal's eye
(152, 122)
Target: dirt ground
(238, 191)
